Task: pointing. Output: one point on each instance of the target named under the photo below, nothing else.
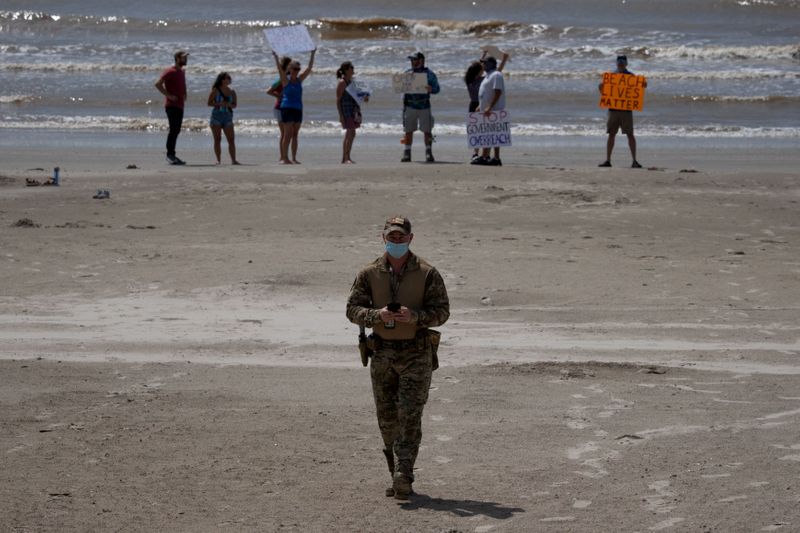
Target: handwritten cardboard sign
(487, 131)
(410, 82)
(286, 40)
(623, 92)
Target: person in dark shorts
(473, 78)
(292, 104)
(620, 120)
(276, 91)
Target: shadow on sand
(464, 508)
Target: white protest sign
(488, 131)
(286, 40)
(410, 82)
(359, 93)
(492, 51)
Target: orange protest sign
(623, 92)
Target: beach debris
(631, 436)
(35, 169)
(131, 226)
(579, 373)
(493, 188)
(655, 370)
(25, 223)
(131, 167)
(688, 170)
(656, 168)
(30, 182)
(486, 301)
(6, 180)
(621, 200)
(102, 194)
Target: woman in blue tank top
(292, 104)
(223, 101)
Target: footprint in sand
(581, 504)
(483, 529)
(665, 524)
(451, 379)
(661, 501)
(437, 418)
(442, 460)
(443, 438)
(731, 499)
(558, 519)
(792, 457)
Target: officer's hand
(404, 315)
(386, 315)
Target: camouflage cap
(397, 223)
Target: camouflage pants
(400, 383)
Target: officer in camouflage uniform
(399, 296)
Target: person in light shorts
(619, 119)
(417, 110)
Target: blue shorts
(290, 114)
(223, 119)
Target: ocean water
(717, 69)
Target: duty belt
(402, 344)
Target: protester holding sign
(276, 90)
(417, 110)
(473, 79)
(349, 110)
(620, 113)
(492, 97)
(292, 104)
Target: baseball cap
(622, 59)
(181, 53)
(397, 223)
(490, 61)
(416, 55)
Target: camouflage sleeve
(436, 306)
(359, 303)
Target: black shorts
(290, 114)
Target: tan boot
(401, 484)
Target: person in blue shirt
(417, 110)
(292, 104)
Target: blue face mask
(396, 249)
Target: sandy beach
(622, 353)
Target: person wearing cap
(619, 119)
(417, 109)
(492, 97)
(473, 78)
(400, 296)
(172, 84)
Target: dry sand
(622, 353)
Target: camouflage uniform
(403, 360)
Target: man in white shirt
(492, 97)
